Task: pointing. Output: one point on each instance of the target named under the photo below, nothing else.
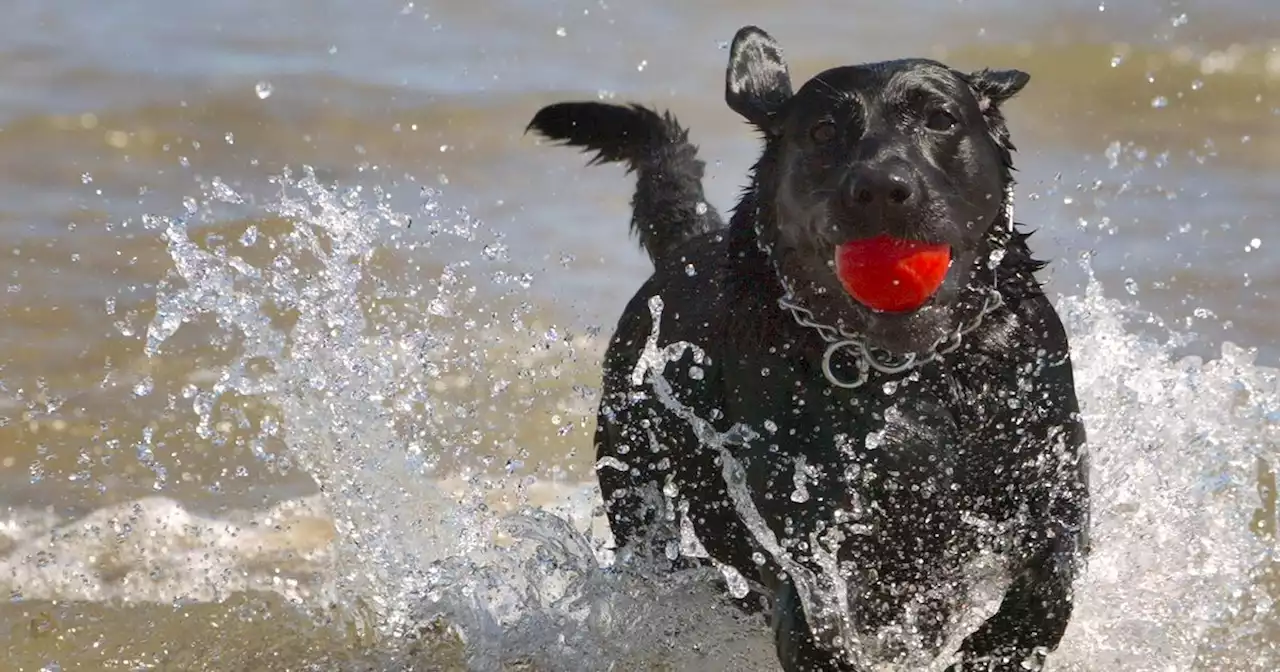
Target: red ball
(892, 275)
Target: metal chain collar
(874, 358)
(869, 357)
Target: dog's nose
(889, 186)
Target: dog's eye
(940, 120)
(823, 131)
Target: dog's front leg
(1031, 619)
(1037, 605)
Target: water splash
(823, 590)
(355, 366)
(359, 404)
(1175, 448)
(823, 594)
(334, 380)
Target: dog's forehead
(870, 80)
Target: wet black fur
(991, 432)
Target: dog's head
(907, 154)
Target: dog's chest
(823, 449)
(814, 440)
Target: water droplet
(690, 271)
(561, 32)
(610, 462)
(224, 193)
(143, 387)
(439, 307)
(734, 581)
(1197, 85)
(643, 64)
(1159, 102)
(86, 178)
(1117, 60)
(1179, 20)
(494, 252)
(1113, 154)
(1255, 243)
(696, 372)
(230, 138)
(264, 90)
(997, 256)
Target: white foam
(154, 550)
(1174, 449)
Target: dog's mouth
(892, 275)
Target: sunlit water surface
(175, 386)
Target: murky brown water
(1149, 141)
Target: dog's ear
(993, 87)
(756, 83)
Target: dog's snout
(889, 186)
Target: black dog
(848, 462)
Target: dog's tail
(668, 207)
